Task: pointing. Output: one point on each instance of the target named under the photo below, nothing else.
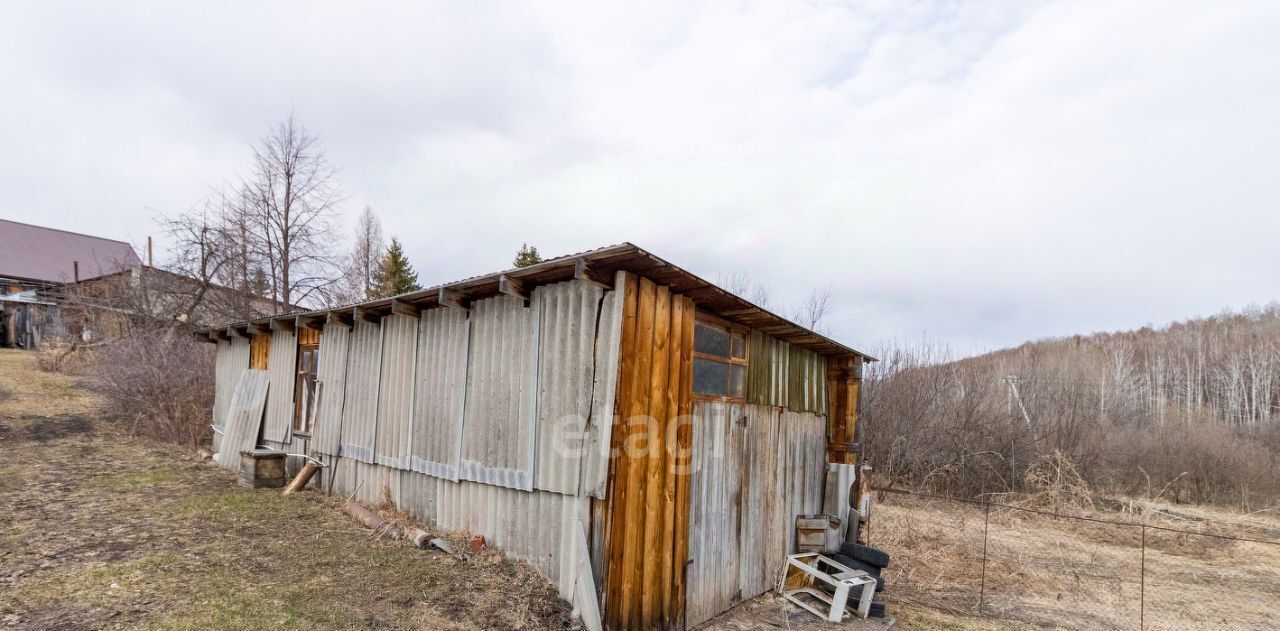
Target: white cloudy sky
(981, 173)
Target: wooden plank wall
(308, 337)
(647, 542)
(784, 375)
(259, 348)
(755, 468)
(844, 382)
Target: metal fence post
(1142, 584)
(986, 519)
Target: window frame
(744, 361)
(299, 381)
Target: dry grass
(1061, 573)
(97, 531)
(38, 393)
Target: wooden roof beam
(340, 318)
(368, 314)
(258, 329)
(310, 322)
(401, 307)
(512, 287)
(284, 324)
(452, 298)
(583, 271)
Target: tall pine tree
(395, 275)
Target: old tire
(877, 609)
(855, 564)
(866, 554)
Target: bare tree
(740, 284)
(814, 309)
(290, 201)
(368, 251)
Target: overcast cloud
(983, 173)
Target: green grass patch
(140, 478)
(241, 605)
(100, 584)
(240, 505)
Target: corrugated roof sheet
(50, 255)
(603, 263)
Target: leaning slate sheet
(244, 417)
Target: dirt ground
(99, 531)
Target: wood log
(304, 476)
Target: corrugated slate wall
(755, 468)
(395, 389)
(595, 459)
(282, 371)
(232, 359)
(566, 373)
(360, 407)
(439, 392)
(244, 416)
(502, 382)
(535, 527)
(332, 375)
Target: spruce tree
(527, 256)
(395, 275)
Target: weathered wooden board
(755, 468)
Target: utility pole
(1012, 381)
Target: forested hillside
(1189, 412)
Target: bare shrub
(160, 379)
(1149, 414)
(62, 358)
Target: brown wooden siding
(649, 503)
(259, 348)
(308, 337)
(844, 382)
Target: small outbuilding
(644, 438)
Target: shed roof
(599, 265)
(49, 255)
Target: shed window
(305, 388)
(719, 360)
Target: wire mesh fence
(1122, 567)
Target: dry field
(1054, 573)
(98, 531)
